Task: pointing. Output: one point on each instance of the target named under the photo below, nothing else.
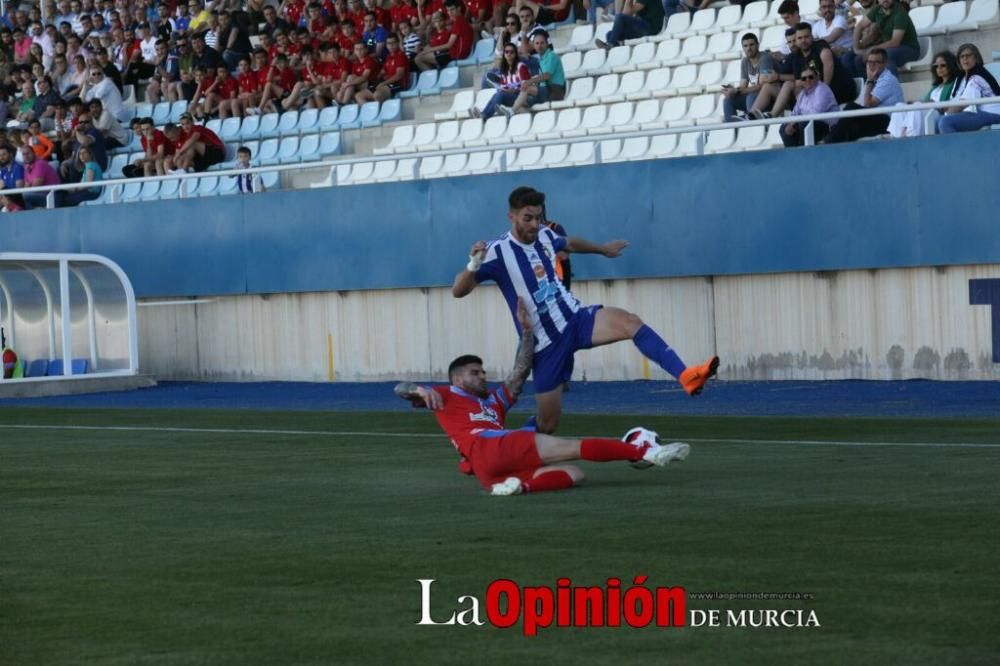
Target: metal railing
(118, 183)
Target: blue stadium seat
(78, 366)
(348, 117)
(227, 185)
(308, 148)
(411, 90)
(288, 150)
(308, 119)
(287, 122)
(270, 180)
(230, 129)
(143, 110)
(115, 165)
(161, 114)
(448, 78)
(250, 129)
(329, 144)
(215, 125)
(391, 111)
(484, 47)
(269, 125)
(169, 189)
(131, 192)
(368, 116)
(268, 154)
(37, 368)
(328, 118)
(207, 186)
(150, 189)
(176, 109)
(426, 81)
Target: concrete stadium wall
(885, 324)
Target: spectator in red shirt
(248, 83)
(480, 15)
(363, 72)
(205, 80)
(547, 11)
(222, 96)
(435, 54)
(400, 12)
(395, 75)
(281, 80)
(196, 146)
(157, 148)
(333, 69)
(310, 79)
(346, 38)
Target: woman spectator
(78, 77)
(91, 173)
(511, 73)
(815, 97)
(976, 83)
(946, 73)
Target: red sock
(604, 450)
(554, 480)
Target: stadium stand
(669, 80)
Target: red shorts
(511, 454)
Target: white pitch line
(346, 433)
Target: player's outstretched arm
(419, 395)
(611, 249)
(466, 281)
(525, 353)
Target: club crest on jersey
(487, 414)
(539, 270)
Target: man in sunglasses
(815, 97)
(98, 86)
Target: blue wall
(929, 201)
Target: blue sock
(531, 424)
(655, 349)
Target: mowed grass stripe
(378, 434)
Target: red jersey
(560, 15)
(227, 89)
(249, 82)
(159, 139)
(204, 134)
(433, 7)
(358, 19)
(465, 415)
(439, 38)
(366, 64)
(293, 12)
(346, 42)
(462, 46)
(263, 77)
(402, 14)
(393, 63)
(344, 67)
(285, 78)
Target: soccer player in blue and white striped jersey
(521, 263)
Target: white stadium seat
(460, 105)
(605, 86)
(949, 16)
(468, 130)
(580, 89)
(726, 21)
(641, 54)
(644, 113)
(657, 84)
(572, 64)
(701, 21)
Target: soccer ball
(637, 437)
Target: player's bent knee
(632, 324)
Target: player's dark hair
(525, 196)
(803, 26)
(461, 362)
(751, 36)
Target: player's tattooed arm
(611, 249)
(525, 353)
(419, 395)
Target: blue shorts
(553, 366)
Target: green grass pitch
(214, 543)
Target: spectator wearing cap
(196, 146)
(98, 86)
(142, 63)
(36, 174)
(636, 18)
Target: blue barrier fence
(875, 204)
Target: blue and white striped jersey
(527, 271)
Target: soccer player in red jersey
(510, 462)
(364, 71)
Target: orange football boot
(694, 377)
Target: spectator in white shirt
(976, 83)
